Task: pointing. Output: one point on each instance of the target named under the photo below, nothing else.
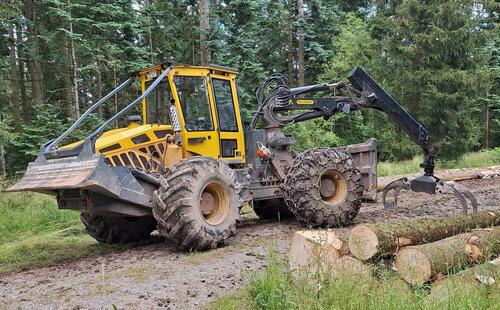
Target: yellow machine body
(145, 145)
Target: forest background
(440, 59)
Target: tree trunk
(99, 86)
(68, 87)
(3, 171)
(34, 66)
(487, 124)
(290, 43)
(14, 101)
(373, 241)
(150, 37)
(204, 28)
(466, 281)
(311, 247)
(418, 264)
(22, 78)
(74, 77)
(115, 96)
(300, 39)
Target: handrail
(151, 87)
(52, 145)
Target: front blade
(55, 174)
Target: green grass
(469, 160)
(34, 233)
(276, 288)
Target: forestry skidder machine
(186, 165)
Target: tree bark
(204, 28)
(115, 97)
(14, 101)
(34, 66)
(418, 264)
(487, 124)
(3, 171)
(150, 38)
(464, 282)
(74, 77)
(22, 78)
(68, 86)
(374, 241)
(99, 86)
(300, 39)
(290, 44)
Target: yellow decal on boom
(305, 101)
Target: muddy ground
(158, 276)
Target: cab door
(228, 118)
(199, 131)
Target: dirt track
(158, 276)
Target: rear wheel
(271, 209)
(197, 205)
(106, 229)
(323, 188)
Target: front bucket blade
(90, 173)
(56, 174)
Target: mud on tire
(106, 229)
(323, 188)
(198, 202)
(269, 209)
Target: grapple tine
(459, 191)
(397, 186)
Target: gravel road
(159, 276)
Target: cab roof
(210, 67)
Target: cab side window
(225, 106)
(194, 101)
(157, 103)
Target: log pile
(422, 250)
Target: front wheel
(197, 205)
(107, 229)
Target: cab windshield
(193, 96)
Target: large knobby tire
(323, 188)
(271, 209)
(106, 229)
(197, 205)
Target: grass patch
(277, 288)
(34, 233)
(479, 159)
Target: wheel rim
(214, 203)
(333, 187)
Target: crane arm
(284, 105)
(361, 91)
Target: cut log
(482, 243)
(347, 265)
(310, 247)
(374, 241)
(418, 264)
(464, 282)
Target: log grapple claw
(431, 185)
(396, 186)
(459, 191)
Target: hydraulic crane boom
(359, 91)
